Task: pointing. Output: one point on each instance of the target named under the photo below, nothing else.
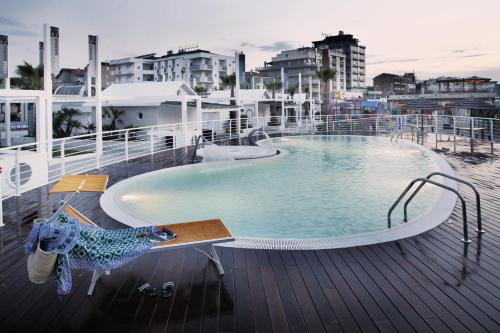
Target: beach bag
(41, 265)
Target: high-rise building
(54, 50)
(306, 61)
(241, 61)
(190, 64)
(355, 57)
(4, 54)
(40, 53)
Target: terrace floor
(430, 282)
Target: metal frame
(479, 228)
(424, 181)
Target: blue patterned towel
(95, 250)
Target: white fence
(29, 166)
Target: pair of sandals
(166, 292)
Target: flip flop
(147, 290)
(168, 289)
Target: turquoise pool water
(323, 186)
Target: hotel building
(355, 58)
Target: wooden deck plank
(420, 284)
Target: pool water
(321, 186)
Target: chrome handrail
(425, 180)
(479, 229)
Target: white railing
(32, 165)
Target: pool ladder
(427, 180)
(197, 143)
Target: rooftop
(431, 282)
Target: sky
(430, 37)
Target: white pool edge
(431, 218)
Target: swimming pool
(322, 191)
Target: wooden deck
(426, 283)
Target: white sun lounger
(189, 235)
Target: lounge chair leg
(216, 260)
(95, 277)
(213, 257)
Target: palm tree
(200, 90)
(273, 87)
(325, 75)
(114, 114)
(229, 81)
(64, 123)
(292, 90)
(30, 77)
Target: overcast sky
(431, 37)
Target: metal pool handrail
(424, 181)
(479, 229)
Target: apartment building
(393, 84)
(195, 66)
(4, 51)
(355, 58)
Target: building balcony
(203, 79)
(201, 67)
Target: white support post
(47, 87)
(472, 135)
(98, 101)
(454, 135)
(40, 123)
(63, 157)
(436, 128)
(8, 141)
(212, 132)
(300, 101)
(126, 145)
(18, 171)
(174, 143)
(282, 99)
(492, 141)
(151, 142)
(376, 125)
(199, 118)
(184, 119)
(237, 91)
(88, 82)
(311, 99)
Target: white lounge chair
(189, 235)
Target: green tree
(273, 87)
(30, 77)
(200, 90)
(325, 75)
(114, 114)
(292, 90)
(64, 123)
(229, 81)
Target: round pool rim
(441, 210)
